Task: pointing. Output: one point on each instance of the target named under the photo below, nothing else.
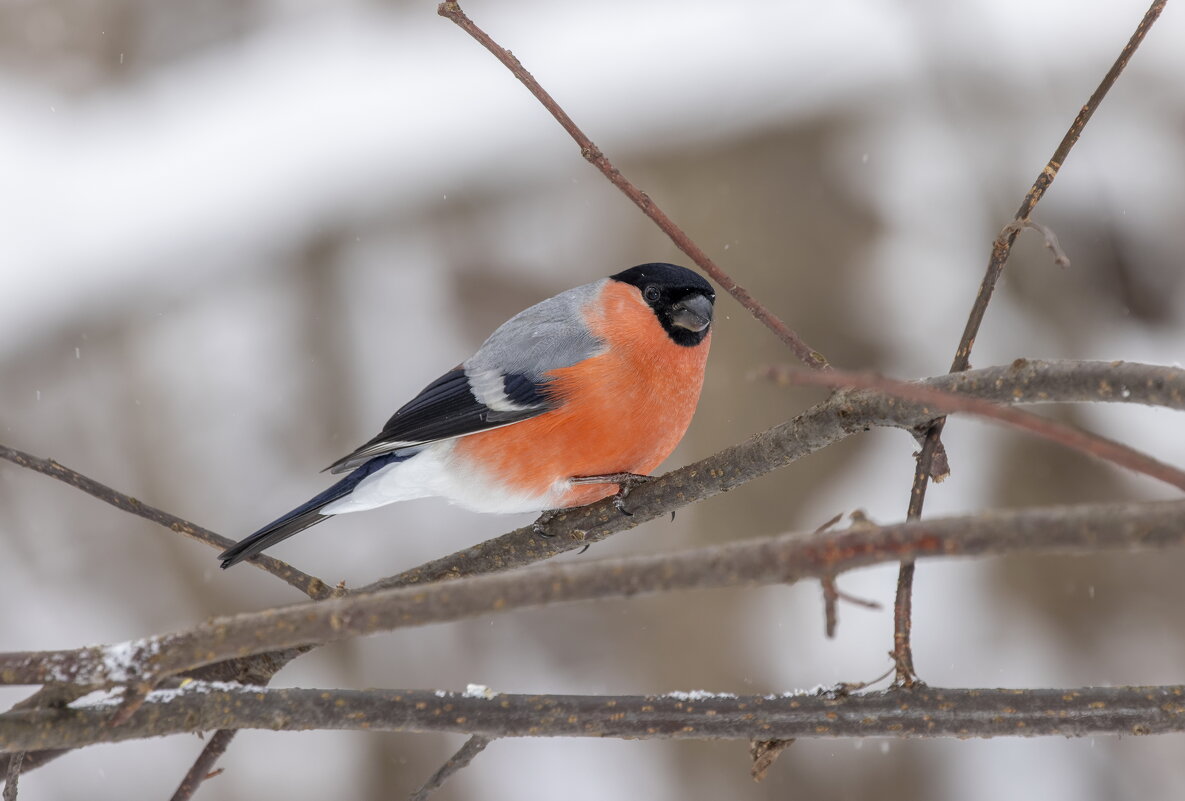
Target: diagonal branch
(12, 775)
(202, 767)
(458, 761)
(921, 712)
(807, 354)
(1002, 247)
(1001, 250)
(309, 585)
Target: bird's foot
(545, 517)
(625, 484)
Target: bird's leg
(625, 483)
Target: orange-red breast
(598, 380)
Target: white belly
(433, 473)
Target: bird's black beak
(694, 313)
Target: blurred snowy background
(235, 235)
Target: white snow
(696, 695)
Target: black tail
(305, 515)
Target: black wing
(447, 408)
(303, 516)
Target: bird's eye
(651, 293)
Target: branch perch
(785, 559)
(923, 712)
(824, 424)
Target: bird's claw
(625, 484)
(540, 525)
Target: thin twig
(1051, 241)
(918, 713)
(807, 354)
(472, 747)
(1003, 245)
(1001, 250)
(832, 595)
(32, 759)
(764, 753)
(12, 776)
(309, 585)
(785, 559)
(203, 767)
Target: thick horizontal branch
(1063, 434)
(919, 712)
(824, 424)
(782, 560)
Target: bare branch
(824, 424)
(1002, 247)
(832, 595)
(12, 775)
(1001, 250)
(1061, 433)
(203, 766)
(472, 747)
(1051, 241)
(917, 713)
(785, 559)
(807, 354)
(309, 585)
(31, 760)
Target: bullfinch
(554, 410)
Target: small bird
(566, 403)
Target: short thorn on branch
(1051, 241)
(625, 482)
(832, 595)
(763, 753)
